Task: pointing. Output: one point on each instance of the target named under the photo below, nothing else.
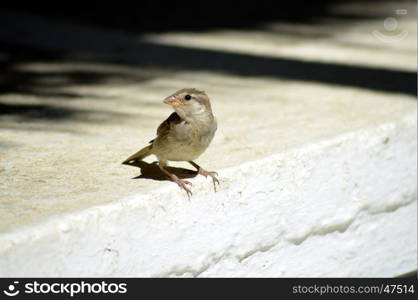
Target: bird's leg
(174, 178)
(205, 173)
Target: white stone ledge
(345, 206)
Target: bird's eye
(187, 97)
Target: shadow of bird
(152, 171)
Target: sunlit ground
(76, 100)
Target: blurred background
(365, 43)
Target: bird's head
(189, 103)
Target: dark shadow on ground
(162, 16)
(126, 50)
(28, 97)
(50, 84)
(152, 171)
(52, 113)
(282, 68)
(63, 36)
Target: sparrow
(183, 136)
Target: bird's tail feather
(141, 154)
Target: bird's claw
(212, 174)
(183, 185)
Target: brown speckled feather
(165, 126)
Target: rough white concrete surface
(343, 207)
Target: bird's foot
(211, 174)
(182, 184)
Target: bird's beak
(173, 101)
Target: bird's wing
(165, 126)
